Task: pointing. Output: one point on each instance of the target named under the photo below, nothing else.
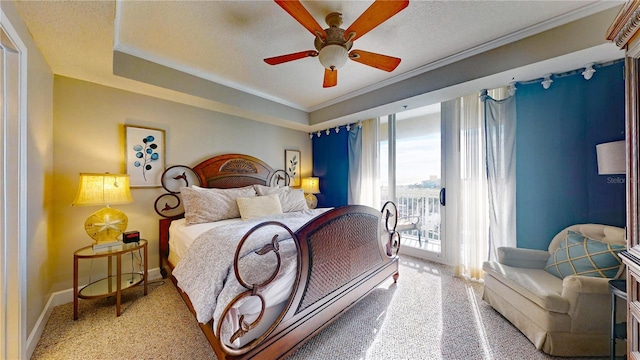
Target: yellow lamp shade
(103, 189)
(311, 185)
(105, 225)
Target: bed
(285, 276)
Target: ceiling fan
(333, 44)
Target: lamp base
(105, 225)
(312, 200)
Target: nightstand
(111, 284)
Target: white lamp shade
(103, 189)
(611, 158)
(333, 56)
(311, 185)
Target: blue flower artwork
(146, 153)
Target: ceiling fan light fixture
(333, 56)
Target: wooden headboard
(222, 171)
(233, 170)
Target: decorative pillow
(263, 190)
(293, 200)
(259, 206)
(581, 255)
(203, 205)
(290, 199)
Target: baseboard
(61, 298)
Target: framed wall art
(145, 155)
(292, 166)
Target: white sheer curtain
(370, 181)
(471, 202)
(482, 176)
(500, 128)
(364, 168)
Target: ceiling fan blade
(330, 78)
(379, 12)
(290, 57)
(295, 9)
(378, 61)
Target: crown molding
(587, 10)
(549, 24)
(130, 50)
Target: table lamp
(106, 224)
(611, 158)
(311, 186)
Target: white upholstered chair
(562, 317)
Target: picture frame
(145, 155)
(292, 166)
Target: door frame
(13, 209)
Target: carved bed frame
(343, 255)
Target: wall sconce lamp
(311, 186)
(611, 158)
(106, 224)
(588, 71)
(546, 83)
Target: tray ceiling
(226, 41)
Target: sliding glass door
(411, 175)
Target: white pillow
(259, 206)
(293, 200)
(268, 190)
(202, 205)
(290, 199)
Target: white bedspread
(208, 264)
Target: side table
(618, 330)
(112, 284)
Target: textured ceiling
(226, 41)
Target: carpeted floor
(429, 314)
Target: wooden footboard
(342, 256)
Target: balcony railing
(421, 203)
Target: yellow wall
(88, 135)
(39, 162)
(39, 197)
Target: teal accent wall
(331, 165)
(557, 183)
